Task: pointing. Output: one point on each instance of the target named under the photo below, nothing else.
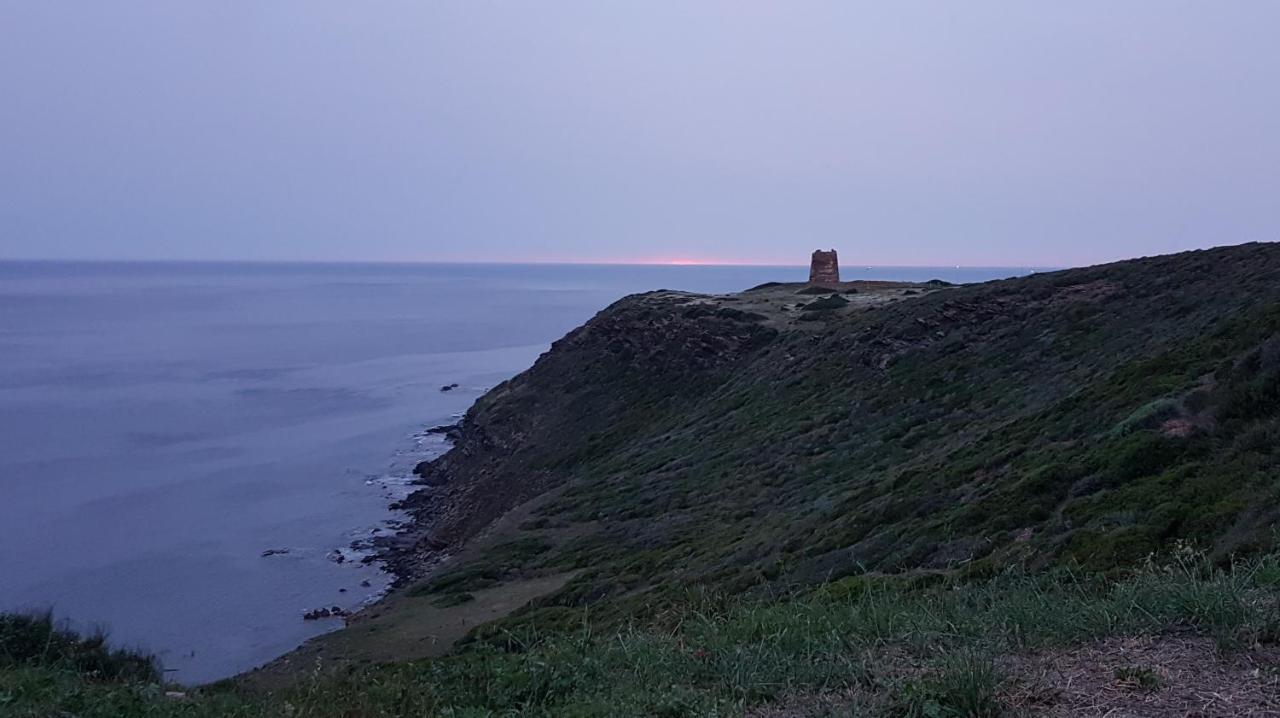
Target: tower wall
(824, 268)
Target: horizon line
(585, 263)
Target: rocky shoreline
(401, 547)
(412, 551)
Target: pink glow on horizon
(694, 262)
(628, 261)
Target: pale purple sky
(974, 133)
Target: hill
(904, 499)
(1087, 417)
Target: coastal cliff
(1087, 417)
(604, 383)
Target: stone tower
(824, 268)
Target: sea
(193, 455)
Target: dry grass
(1166, 676)
(1192, 679)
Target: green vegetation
(1144, 678)
(35, 641)
(835, 301)
(497, 564)
(890, 647)
(452, 599)
(965, 684)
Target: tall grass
(921, 650)
(37, 641)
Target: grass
(835, 301)
(1141, 677)
(497, 564)
(923, 649)
(448, 600)
(966, 685)
(37, 641)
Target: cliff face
(635, 363)
(1088, 416)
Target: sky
(901, 133)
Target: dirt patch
(402, 628)
(1150, 677)
(1178, 428)
(778, 304)
(1162, 676)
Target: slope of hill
(902, 499)
(1085, 417)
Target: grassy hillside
(1175, 638)
(1082, 418)
(888, 500)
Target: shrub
(1147, 416)
(37, 641)
(966, 687)
(835, 301)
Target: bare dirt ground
(1162, 676)
(1134, 677)
(402, 627)
(782, 304)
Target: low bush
(37, 641)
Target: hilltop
(874, 497)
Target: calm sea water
(164, 424)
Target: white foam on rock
(395, 485)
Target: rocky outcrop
(330, 612)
